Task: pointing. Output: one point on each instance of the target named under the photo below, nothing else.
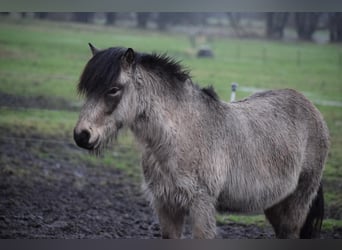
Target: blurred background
(42, 55)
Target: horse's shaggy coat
(266, 152)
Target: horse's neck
(155, 124)
(165, 112)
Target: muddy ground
(47, 192)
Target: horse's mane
(165, 64)
(104, 68)
(209, 91)
(173, 70)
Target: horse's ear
(128, 58)
(93, 49)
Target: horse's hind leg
(171, 221)
(289, 216)
(285, 219)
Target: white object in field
(232, 96)
(234, 87)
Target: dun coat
(200, 154)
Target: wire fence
(53, 141)
(296, 56)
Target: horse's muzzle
(82, 139)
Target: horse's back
(290, 113)
(284, 104)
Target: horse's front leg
(202, 212)
(171, 221)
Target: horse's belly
(253, 197)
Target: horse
(201, 155)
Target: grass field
(46, 58)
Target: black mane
(209, 91)
(163, 64)
(103, 69)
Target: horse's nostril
(82, 138)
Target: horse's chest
(169, 186)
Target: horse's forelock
(100, 72)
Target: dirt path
(7, 100)
(54, 197)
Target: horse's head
(107, 84)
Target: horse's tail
(313, 222)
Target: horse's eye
(113, 91)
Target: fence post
(264, 55)
(234, 87)
(238, 53)
(298, 57)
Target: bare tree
(142, 19)
(275, 24)
(110, 18)
(335, 26)
(306, 24)
(83, 17)
(234, 19)
(165, 19)
(184, 18)
(41, 15)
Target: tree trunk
(110, 18)
(164, 19)
(234, 19)
(306, 24)
(41, 15)
(275, 24)
(83, 17)
(335, 27)
(142, 18)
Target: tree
(41, 15)
(234, 19)
(335, 26)
(275, 24)
(142, 18)
(184, 18)
(164, 19)
(110, 18)
(306, 24)
(83, 17)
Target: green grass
(46, 58)
(330, 224)
(261, 221)
(258, 220)
(318, 74)
(47, 123)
